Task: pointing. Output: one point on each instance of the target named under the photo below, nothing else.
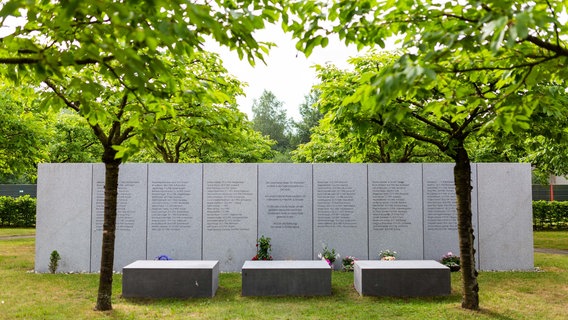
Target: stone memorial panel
(64, 216)
(505, 216)
(395, 209)
(340, 209)
(217, 211)
(174, 211)
(130, 243)
(440, 212)
(229, 214)
(285, 209)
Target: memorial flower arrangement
(328, 255)
(387, 255)
(452, 261)
(349, 263)
(263, 249)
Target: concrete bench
(402, 278)
(286, 278)
(170, 279)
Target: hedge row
(17, 212)
(550, 215)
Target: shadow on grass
(493, 315)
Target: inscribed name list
(229, 213)
(395, 209)
(174, 213)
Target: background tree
(23, 135)
(445, 113)
(105, 59)
(204, 129)
(311, 117)
(325, 145)
(269, 118)
(72, 140)
(361, 141)
(513, 45)
(542, 145)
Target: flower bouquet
(349, 263)
(452, 261)
(328, 255)
(387, 255)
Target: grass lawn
(503, 295)
(8, 232)
(551, 239)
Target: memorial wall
(217, 211)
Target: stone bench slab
(286, 278)
(170, 279)
(402, 278)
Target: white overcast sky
(287, 73)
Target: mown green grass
(9, 232)
(503, 295)
(551, 239)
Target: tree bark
(104, 296)
(462, 180)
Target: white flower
(320, 256)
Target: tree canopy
(269, 118)
(23, 133)
(116, 63)
(465, 66)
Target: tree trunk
(104, 302)
(462, 180)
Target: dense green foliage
(23, 134)
(269, 118)
(550, 215)
(311, 116)
(17, 212)
(465, 67)
(124, 67)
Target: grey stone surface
(286, 278)
(340, 209)
(174, 211)
(395, 209)
(285, 209)
(170, 279)
(217, 215)
(402, 278)
(229, 213)
(130, 243)
(64, 216)
(440, 212)
(505, 216)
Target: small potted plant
(263, 249)
(451, 261)
(328, 255)
(349, 263)
(387, 255)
